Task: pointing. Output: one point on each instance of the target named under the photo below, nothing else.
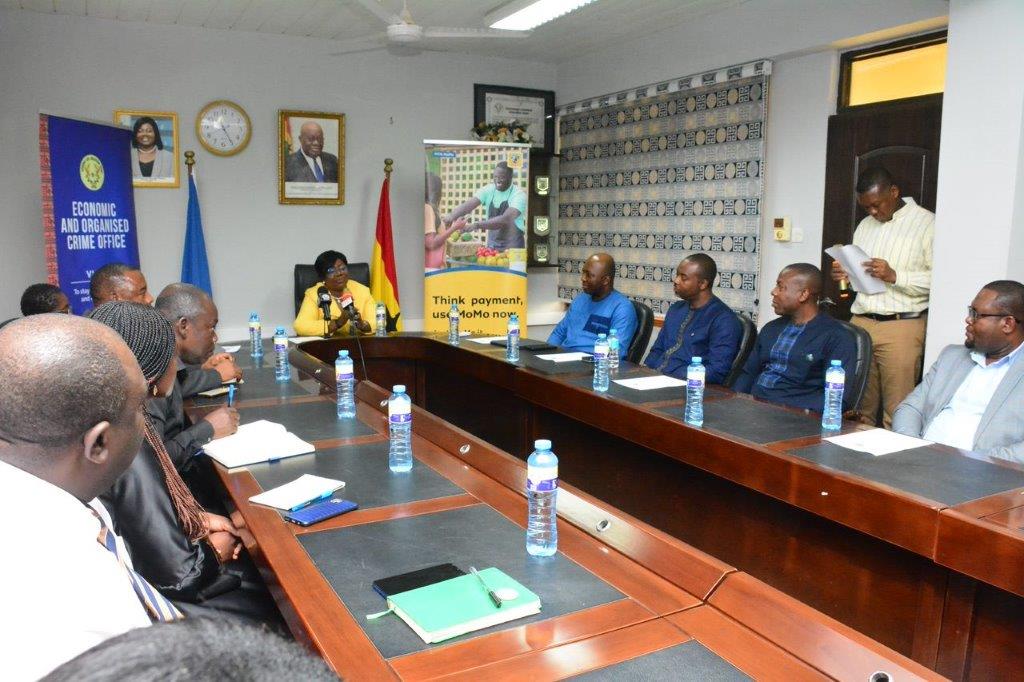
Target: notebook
(294, 495)
(454, 607)
(259, 441)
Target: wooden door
(903, 137)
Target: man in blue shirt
(700, 324)
(596, 310)
(792, 352)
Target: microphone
(324, 298)
(346, 304)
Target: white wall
(979, 227)
(86, 68)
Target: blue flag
(195, 269)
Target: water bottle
(601, 364)
(835, 382)
(542, 496)
(282, 370)
(382, 320)
(613, 349)
(345, 382)
(400, 430)
(695, 392)
(453, 325)
(255, 335)
(512, 340)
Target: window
(907, 68)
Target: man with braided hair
(70, 424)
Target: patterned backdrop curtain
(653, 178)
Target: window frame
(847, 59)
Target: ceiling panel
(255, 14)
(286, 14)
(225, 13)
(73, 7)
(101, 9)
(134, 10)
(164, 11)
(47, 6)
(195, 12)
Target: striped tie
(159, 607)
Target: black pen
(490, 593)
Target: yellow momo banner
(475, 218)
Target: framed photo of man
(311, 157)
(154, 151)
(533, 108)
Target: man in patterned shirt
(897, 235)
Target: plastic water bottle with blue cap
(512, 339)
(255, 335)
(400, 430)
(542, 496)
(601, 364)
(613, 349)
(835, 383)
(382, 320)
(695, 375)
(453, 325)
(282, 370)
(345, 383)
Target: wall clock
(223, 128)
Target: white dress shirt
(905, 242)
(958, 421)
(314, 163)
(62, 592)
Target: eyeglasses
(337, 271)
(973, 314)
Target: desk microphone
(324, 298)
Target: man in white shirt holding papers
(973, 396)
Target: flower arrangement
(501, 131)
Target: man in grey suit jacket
(311, 160)
(973, 396)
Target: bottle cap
(837, 363)
(696, 358)
(342, 353)
(613, 330)
(279, 331)
(398, 388)
(602, 336)
(542, 444)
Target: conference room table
(749, 546)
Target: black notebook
(397, 584)
(527, 344)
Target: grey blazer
(1001, 430)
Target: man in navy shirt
(596, 310)
(700, 324)
(792, 352)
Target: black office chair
(857, 380)
(305, 277)
(746, 345)
(644, 325)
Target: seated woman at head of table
(351, 305)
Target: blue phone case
(315, 513)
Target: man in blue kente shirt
(596, 310)
(700, 324)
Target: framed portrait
(311, 157)
(154, 146)
(534, 108)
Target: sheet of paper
(486, 340)
(259, 441)
(650, 383)
(302, 339)
(877, 442)
(303, 489)
(852, 258)
(564, 357)
(214, 392)
(231, 349)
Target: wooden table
(677, 606)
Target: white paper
(877, 442)
(485, 340)
(564, 357)
(231, 349)
(650, 383)
(302, 339)
(852, 257)
(214, 392)
(303, 489)
(259, 441)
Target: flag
(195, 269)
(383, 275)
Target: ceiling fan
(404, 36)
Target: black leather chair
(644, 325)
(857, 380)
(746, 345)
(305, 277)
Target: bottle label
(399, 412)
(600, 353)
(835, 385)
(693, 382)
(541, 479)
(254, 325)
(280, 344)
(513, 332)
(342, 375)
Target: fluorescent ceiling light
(537, 13)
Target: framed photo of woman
(310, 158)
(154, 148)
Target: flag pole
(388, 165)
(190, 160)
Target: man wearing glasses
(972, 397)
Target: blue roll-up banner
(88, 204)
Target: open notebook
(259, 441)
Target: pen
(231, 395)
(321, 498)
(490, 593)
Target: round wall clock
(223, 128)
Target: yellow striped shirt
(905, 242)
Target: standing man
(596, 310)
(311, 163)
(506, 211)
(897, 235)
(700, 324)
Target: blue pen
(326, 496)
(231, 395)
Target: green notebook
(459, 605)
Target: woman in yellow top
(332, 268)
